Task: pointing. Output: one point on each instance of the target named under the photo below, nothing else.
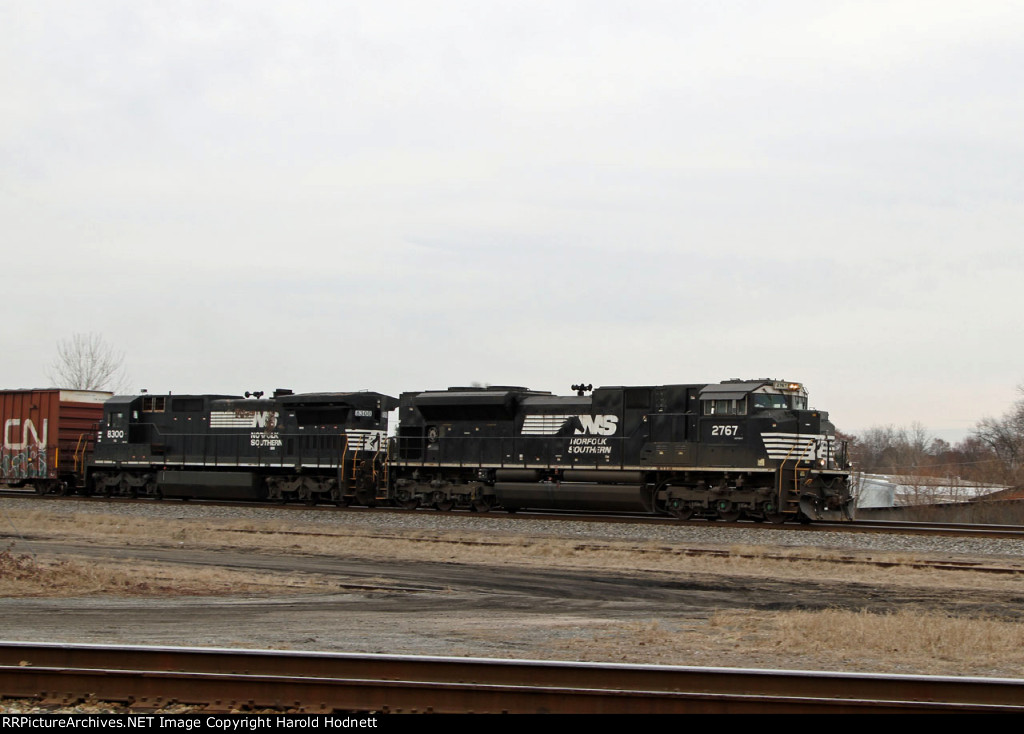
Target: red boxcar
(47, 436)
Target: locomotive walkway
(220, 680)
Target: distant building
(875, 490)
(893, 490)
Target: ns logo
(265, 419)
(599, 425)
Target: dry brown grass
(904, 641)
(24, 575)
(906, 635)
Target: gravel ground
(706, 534)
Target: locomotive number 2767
(724, 430)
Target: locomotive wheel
(681, 513)
(365, 498)
(407, 501)
(445, 506)
(482, 505)
(776, 518)
(726, 511)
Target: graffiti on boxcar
(23, 454)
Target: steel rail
(228, 679)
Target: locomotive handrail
(387, 461)
(82, 445)
(373, 467)
(78, 447)
(344, 453)
(782, 468)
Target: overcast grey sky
(410, 195)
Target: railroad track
(221, 680)
(857, 526)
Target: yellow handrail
(344, 453)
(79, 458)
(782, 467)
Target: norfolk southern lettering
(589, 446)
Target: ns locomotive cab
(738, 448)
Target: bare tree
(87, 362)
(893, 450)
(1005, 436)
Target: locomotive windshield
(779, 402)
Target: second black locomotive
(321, 447)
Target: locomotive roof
(129, 399)
(475, 397)
(731, 390)
(484, 388)
(338, 398)
(734, 389)
(313, 397)
(120, 400)
(221, 401)
(557, 401)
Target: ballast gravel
(694, 534)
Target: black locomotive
(737, 448)
(322, 447)
(723, 450)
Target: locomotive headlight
(821, 463)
